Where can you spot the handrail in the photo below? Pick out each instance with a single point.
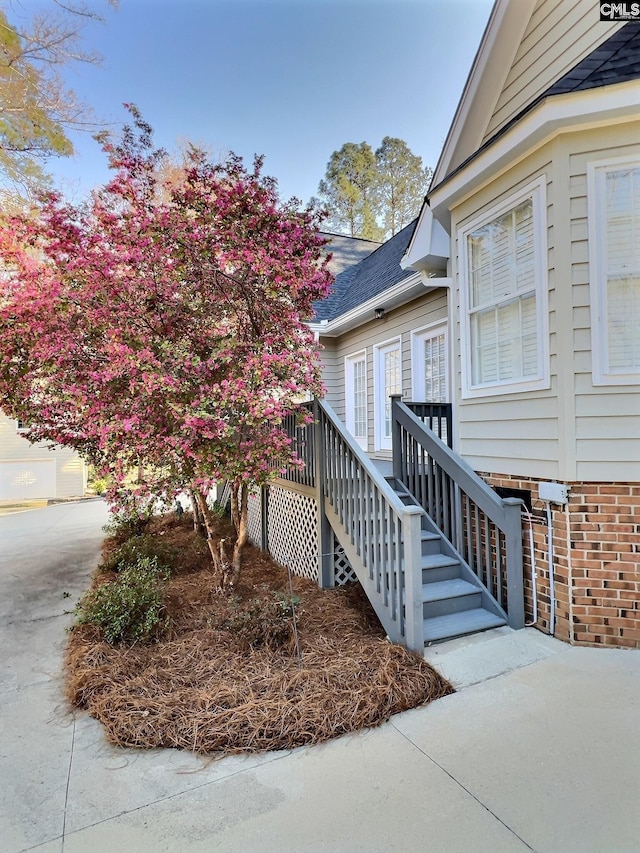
(380, 534)
(461, 471)
(485, 530)
(303, 444)
(361, 456)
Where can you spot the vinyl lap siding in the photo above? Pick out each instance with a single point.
(607, 418)
(511, 433)
(331, 376)
(574, 431)
(558, 36)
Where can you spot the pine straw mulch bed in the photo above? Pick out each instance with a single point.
(204, 687)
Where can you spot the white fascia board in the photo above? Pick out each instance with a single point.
(429, 246)
(401, 293)
(491, 65)
(556, 115)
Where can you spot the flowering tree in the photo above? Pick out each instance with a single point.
(162, 326)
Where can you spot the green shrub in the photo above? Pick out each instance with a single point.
(138, 547)
(131, 608)
(100, 485)
(220, 510)
(129, 521)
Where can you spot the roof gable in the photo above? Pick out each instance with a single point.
(538, 43)
(486, 79)
(346, 253)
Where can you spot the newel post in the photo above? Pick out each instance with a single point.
(324, 538)
(515, 580)
(396, 437)
(413, 610)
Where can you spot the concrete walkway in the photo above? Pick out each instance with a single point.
(540, 751)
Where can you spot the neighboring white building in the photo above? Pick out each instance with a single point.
(32, 471)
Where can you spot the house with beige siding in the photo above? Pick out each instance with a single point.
(510, 312)
(33, 471)
(538, 189)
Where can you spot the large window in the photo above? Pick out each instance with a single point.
(356, 396)
(503, 296)
(614, 255)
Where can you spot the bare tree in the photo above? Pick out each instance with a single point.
(37, 109)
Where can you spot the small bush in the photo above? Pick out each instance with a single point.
(265, 621)
(131, 608)
(129, 521)
(220, 510)
(143, 546)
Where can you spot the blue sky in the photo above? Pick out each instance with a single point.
(290, 79)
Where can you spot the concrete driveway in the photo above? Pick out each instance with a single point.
(541, 751)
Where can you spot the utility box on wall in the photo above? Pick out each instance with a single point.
(555, 493)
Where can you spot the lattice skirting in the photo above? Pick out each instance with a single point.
(292, 534)
(254, 519)
(342, 567)
(292, 538)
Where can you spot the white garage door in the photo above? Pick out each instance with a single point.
(27, 480)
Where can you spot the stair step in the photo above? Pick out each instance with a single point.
(438, 561)
(458, 624)
(444, 597)
(439, 567)
(425, 536)
(453, 588)
(428, 536)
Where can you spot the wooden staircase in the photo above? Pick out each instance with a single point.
(438, 552)
(454, 602)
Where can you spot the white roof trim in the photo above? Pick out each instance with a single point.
(556, 115)
(491, 65)
(401, 293)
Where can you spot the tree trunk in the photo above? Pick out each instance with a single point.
(205, 514)
(198, 523)
(242, 531)
(236, 488)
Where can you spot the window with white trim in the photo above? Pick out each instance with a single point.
(614, 260)
(388, 381)
(429, 365)
(356, 396)
(504, 297)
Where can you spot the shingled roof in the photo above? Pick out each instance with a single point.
(368, 278)
(346, 251)
(614, 61)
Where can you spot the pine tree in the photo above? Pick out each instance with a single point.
(373, 195)
(402, 184)
(349, 189)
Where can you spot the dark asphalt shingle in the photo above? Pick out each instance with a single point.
(346, 253)
(614, 61)
(370, 277)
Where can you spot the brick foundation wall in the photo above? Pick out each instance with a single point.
(596, 562)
